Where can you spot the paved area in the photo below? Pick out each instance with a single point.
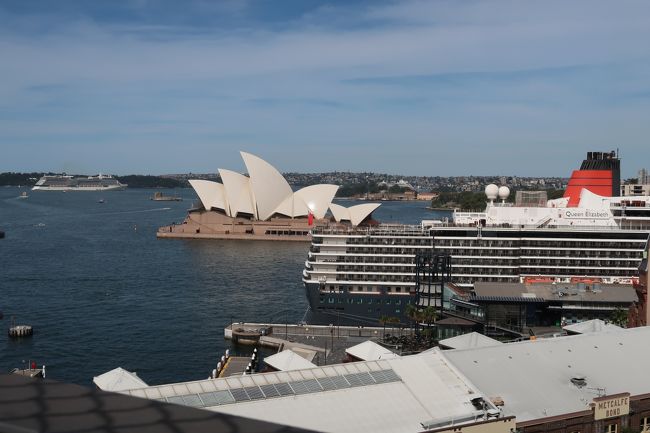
(327, 344)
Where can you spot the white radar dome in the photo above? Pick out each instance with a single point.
(504, 192)
(491, 191)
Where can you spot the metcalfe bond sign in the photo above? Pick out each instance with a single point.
(611, 406)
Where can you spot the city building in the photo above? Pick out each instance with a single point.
(525, 306)
(640, 188)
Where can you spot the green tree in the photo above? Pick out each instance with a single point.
(383, 319)
(619, 317)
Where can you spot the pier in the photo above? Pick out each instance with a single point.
(320, 344)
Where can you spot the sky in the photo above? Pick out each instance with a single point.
(435, 88)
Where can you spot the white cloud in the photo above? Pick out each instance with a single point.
(134, 77)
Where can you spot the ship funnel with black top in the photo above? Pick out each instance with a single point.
(600, 173)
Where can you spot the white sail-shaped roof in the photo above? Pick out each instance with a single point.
(316, 198)
(354, 214)
(270, 189)
(359, 212)
(292, 206)
(340, 213)
(211, 194)
(239, 194)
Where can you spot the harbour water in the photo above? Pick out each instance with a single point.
(101, 291)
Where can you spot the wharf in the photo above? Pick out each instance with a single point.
(320, 344)
(235, 366)
(29, 372)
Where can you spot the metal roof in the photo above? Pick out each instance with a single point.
(564, 292)
(534, 377)
(393, 395)
(39, 405)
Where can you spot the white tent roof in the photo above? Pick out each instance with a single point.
(370, 351)
(288, 360)
(595, 325)
(118, 379)
(466, 341)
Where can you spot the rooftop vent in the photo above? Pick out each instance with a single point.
(579, 381)
(478, 403)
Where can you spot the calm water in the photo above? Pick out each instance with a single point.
(101, 291)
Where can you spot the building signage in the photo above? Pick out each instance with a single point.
(611, 406)
(586, 213)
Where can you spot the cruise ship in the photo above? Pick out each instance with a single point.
(358, 274)
(100, 182)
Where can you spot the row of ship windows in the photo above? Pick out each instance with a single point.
(368, 260)
(369, 289)
(369, 301)
(370, 310)
(586, 263)
(455, 252)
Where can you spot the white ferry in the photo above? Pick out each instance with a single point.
(100, 182)
(360, 274)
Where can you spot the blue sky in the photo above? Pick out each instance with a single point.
(414, 87)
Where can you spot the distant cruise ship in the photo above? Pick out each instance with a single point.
(358, 274)
(100, 182)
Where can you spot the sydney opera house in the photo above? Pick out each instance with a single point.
(261, 205)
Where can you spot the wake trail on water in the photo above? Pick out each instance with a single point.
(160, 209)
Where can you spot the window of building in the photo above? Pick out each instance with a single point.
(611, 428)
(645, 424)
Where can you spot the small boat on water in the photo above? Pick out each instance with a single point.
(23, 195)
(101, 200)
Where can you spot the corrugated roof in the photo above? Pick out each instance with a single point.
(288, 360)
(565, 292)
(534, 377)
(370, 351)
(466, 341)
(118, 379)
